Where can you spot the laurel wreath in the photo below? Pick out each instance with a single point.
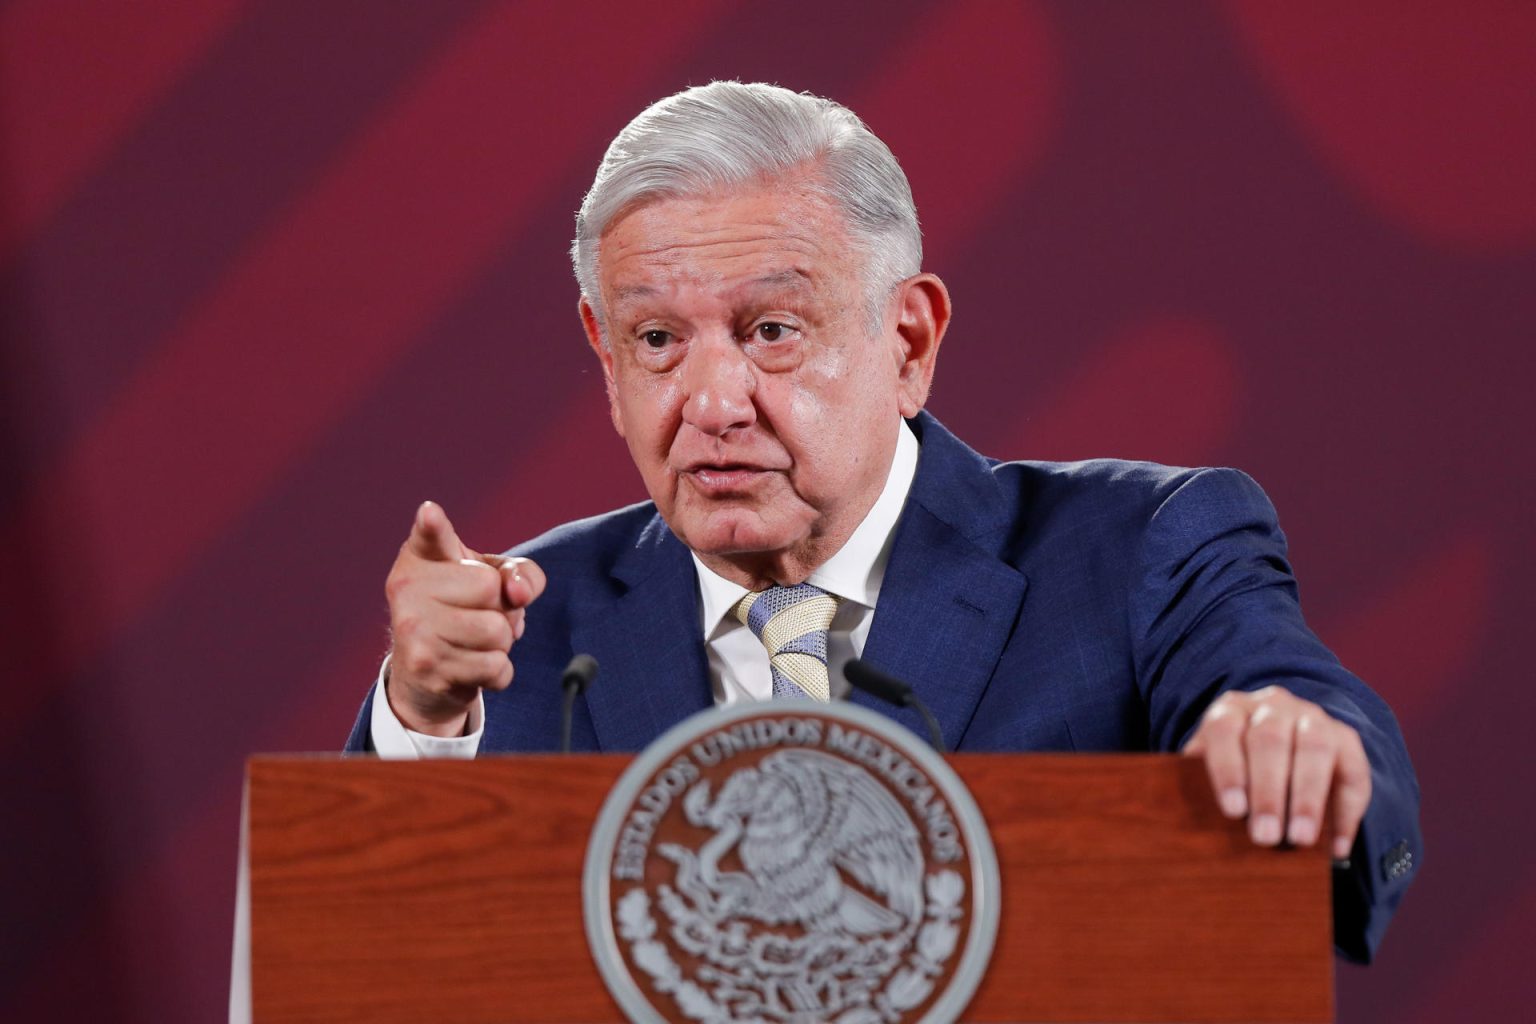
(638, 929)
(908, 987)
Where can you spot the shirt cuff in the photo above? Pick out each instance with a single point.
(393, 741)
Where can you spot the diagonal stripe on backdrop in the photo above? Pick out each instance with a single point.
(1414, 640)
(966, 131)
(295, 335)
(152, 230)
(1167, 389)
(970, 133)
(73, 83)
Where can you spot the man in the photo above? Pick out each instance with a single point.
(750, 268)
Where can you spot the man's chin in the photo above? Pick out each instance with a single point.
(736, 533)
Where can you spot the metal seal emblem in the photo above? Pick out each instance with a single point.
(791, 862)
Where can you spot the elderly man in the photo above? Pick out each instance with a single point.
(751, 283)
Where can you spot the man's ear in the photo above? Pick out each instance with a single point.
(922, 317)
(604, 356)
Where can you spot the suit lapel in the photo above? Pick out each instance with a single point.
(652, 668)
(948, 603)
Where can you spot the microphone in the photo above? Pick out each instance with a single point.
(892, 690)
(574, 680)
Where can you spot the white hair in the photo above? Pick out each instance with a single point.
(714, 138)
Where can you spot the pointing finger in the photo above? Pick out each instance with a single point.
(432, 536)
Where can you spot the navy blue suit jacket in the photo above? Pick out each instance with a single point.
(1092, 606)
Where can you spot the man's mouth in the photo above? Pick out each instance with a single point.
(718, 479)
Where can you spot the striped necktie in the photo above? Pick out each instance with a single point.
(792, 624)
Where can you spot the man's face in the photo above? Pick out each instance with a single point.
(758, 402)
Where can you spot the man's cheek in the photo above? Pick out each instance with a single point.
(813, 421)
(648, 415)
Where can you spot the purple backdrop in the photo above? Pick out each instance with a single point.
(274, 272)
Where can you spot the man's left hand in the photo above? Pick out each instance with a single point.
(1263, 747)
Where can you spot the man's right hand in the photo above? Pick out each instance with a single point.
(455, 614)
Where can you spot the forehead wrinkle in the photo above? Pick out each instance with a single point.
(669, 245)
(673, 252)
(792, 279)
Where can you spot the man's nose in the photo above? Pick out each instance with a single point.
(720, 384)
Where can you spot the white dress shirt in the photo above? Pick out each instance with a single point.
(738, 662)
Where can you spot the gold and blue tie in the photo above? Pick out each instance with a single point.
(792, 624)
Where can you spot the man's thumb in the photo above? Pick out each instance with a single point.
(432, 535)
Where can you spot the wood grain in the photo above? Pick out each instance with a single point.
(451, 890)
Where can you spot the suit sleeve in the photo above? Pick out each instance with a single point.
(1214, 608)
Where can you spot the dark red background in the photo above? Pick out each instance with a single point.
(274, 272)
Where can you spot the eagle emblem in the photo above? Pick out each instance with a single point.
(824, 847)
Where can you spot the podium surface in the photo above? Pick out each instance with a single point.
(404, 891)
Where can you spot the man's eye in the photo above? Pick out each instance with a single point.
(656, 339)
(772, 331)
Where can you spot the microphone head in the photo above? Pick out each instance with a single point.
(579, 673)
(876, 683)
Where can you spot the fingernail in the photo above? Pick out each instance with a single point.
(1341, 847)
(517, 631)
(1265, 829)
(1234, 802)
(1303, 832)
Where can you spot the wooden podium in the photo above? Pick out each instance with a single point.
(451, 891)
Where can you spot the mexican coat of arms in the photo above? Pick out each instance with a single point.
(790, 863)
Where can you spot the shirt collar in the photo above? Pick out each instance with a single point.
(855, 572)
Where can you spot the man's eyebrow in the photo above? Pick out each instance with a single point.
(792, 277)
(634, 291)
